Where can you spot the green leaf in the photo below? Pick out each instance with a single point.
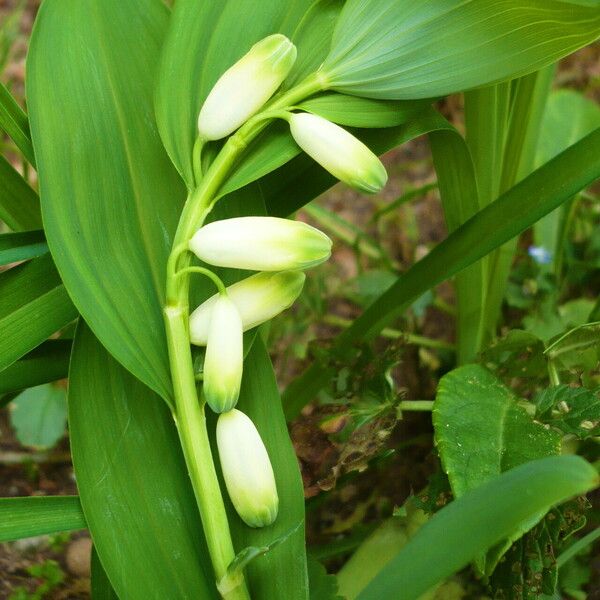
(481, 431)
(39, 515)
(15, 247)
(568, 117)
(48, 362)
(353, 111)
(321, 585)
(572, 410)
(133, 482)
(571, 348)
(200, 46)
(398, 49)
(39, 416)
(281, 573)
(515, 211)
(475, 522)
(19, 204)
(101, 587)
(33, 305)
(13, 121)
(110, 198)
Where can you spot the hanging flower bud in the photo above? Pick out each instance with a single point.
(247, 469)
(223, 363)
(261, 244)
(245, 87)
(258, 299)
(338, 151)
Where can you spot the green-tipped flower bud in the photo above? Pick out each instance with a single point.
(338, 151)
(224, 360)
(258, 299)
(247, 469)
(261, 244)
(245, 87)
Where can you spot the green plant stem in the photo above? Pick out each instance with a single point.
(394, 334)
(189, 412)
(577, 547)
(416, 405)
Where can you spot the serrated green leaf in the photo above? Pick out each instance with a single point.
(473, 523)
(572, 410)
(15, 247)
(322, 586)
(31, 516)
(140, 513)
(481, 431)
(398, 49)
(33, 305)
(110, 198)
(39, 416)
(19, 204)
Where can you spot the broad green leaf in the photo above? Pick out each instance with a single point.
(281, 573)
(321, 585)
(568, 117)
(399, 49)
(515, 211)
(354, 111)
(378, 550)
(48, 362)
(571, 348)
(133, 482)
(458, 186)
(39, 515)
(481, 431)
(39, 415)
(202, 43)
(13, 121)
(19, 204)
(572, 410)
(475, 522)
(110, 198)
(15, 247)
(33, 305)
(101, 587)
(312, 38)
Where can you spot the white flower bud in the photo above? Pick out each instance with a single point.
(261, 244)
(224, 360)
(247, 469)
(245, 87)
(258, 299)
(338, 151)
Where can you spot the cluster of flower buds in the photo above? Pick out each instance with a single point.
(279, 249)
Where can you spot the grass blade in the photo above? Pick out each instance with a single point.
(475, 522)
(31, 516)
(13, 121)
(516, 210)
